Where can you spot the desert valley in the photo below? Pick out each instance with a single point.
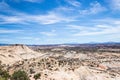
(63, 62)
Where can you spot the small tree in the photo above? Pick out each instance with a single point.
(19, 75)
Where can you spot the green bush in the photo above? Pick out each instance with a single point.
(19, 75)
(1, 78)
(4, 75)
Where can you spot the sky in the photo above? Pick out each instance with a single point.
(59, 21)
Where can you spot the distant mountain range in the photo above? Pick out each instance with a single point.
(90, 43)
(2, 44)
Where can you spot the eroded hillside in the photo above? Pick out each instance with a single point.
(66, 63)
(13, 53)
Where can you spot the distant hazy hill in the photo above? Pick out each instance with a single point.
(2, 44)
(69, 44)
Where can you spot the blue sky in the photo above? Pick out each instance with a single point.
(59, 21)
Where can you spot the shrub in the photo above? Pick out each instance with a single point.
(4, 75)
(37, 76)
(1, 78)
(19, 75)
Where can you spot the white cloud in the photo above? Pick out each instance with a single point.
(110, 21)
(82, 28)
(3, 5)
(21, 18)
(58, 15)
(102, 29)
(33, 0)
(25, 38)
(2, 31)
(28, 38)
(115, 4)
(16, 17)
(63, 9)
(93, 9)
(74, 3)
(4, 40)
(11, 19)
(51, 33)
(6, 8)
(50, 18)
(105, 31)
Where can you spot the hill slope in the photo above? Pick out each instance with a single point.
(13, 53)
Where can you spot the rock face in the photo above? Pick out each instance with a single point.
(13, 53)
